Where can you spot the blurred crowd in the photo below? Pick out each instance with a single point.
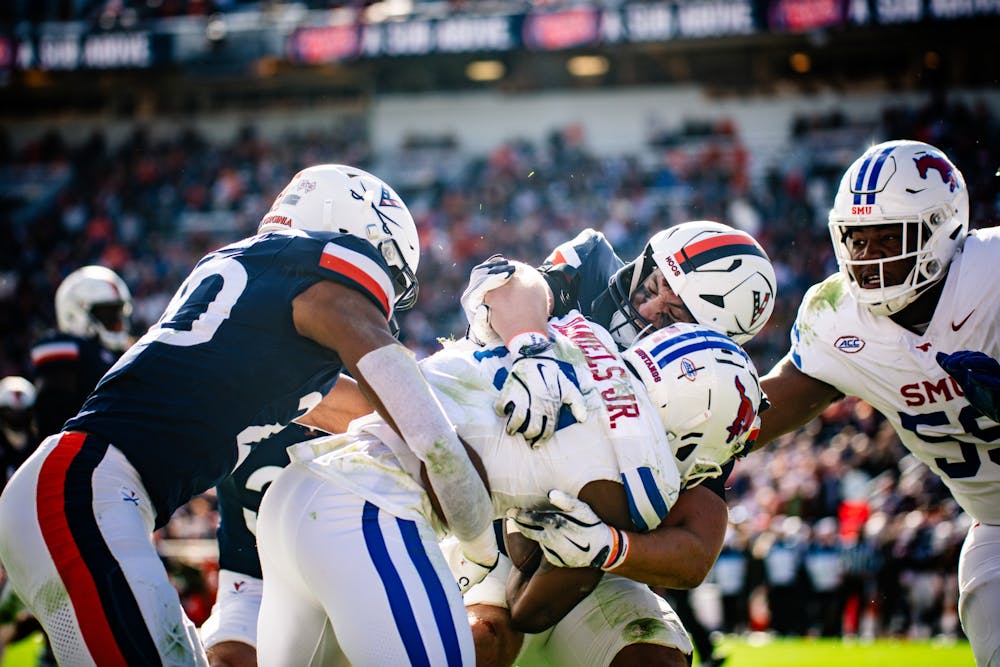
(836, 514)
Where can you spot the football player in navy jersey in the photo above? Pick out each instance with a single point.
(93, 319)
(700, 271)
(93, 307)
(230, 632)
(18, 435)
(254, 337)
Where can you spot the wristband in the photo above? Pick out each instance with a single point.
(619, 549)
(482, 548)
(529, 343)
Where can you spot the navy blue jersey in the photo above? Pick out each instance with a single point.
(240, 495)
(14, 451)
(224, 368)
(65, 369)
(578, 272)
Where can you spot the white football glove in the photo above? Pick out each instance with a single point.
(489, 275)
(572, 535)
(467, 572)
(538, 386)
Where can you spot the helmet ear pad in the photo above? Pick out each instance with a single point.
(909, 184)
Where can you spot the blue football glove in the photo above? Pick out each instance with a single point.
(978, 375)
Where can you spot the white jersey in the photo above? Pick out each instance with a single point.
(622, 439)
(840, 342)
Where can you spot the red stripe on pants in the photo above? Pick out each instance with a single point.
(72, 569)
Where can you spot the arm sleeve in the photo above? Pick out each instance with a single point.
(392, 373)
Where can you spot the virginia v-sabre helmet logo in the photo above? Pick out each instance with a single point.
(722, 275)
(341, 198)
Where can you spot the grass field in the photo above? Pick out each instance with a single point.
(751, 653)
(845, 653)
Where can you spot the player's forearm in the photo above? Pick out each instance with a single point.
(407, 400)
(668, 557)
(540, 600)
(342, 404)
(680, 552)
(522, 304)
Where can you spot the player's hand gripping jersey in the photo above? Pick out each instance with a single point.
(837, 340)
(622, 440)
(151, 404)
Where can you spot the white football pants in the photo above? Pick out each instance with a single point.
(979, 592)
(75, 537)
(382, 581)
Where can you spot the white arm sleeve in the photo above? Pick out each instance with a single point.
(392, 372)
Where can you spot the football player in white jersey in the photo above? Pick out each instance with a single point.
(698, 271)
(910, 325)
(348, 532)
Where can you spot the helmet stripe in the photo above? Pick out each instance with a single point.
(876, 169)
(861, 179)
(682, 350)
(859, 184)
(717, 246)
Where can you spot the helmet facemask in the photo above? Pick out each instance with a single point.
(404, 281)
(630, 284)
(94, 301)
(916, 246)
(111, 322)
(627, 324)
(911, 185)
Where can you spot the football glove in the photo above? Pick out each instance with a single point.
(572, 535)
(539, 384)
(489, 275)
(978, 375)
(465, 570)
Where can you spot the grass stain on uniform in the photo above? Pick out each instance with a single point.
(641, 629)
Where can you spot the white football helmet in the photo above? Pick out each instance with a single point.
(95, 301)
(339, 198)
(17, 393)
(707, 391)
(906, 183)
(722, 275)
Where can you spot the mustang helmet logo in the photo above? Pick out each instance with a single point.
(745, 415)
(927, 161)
